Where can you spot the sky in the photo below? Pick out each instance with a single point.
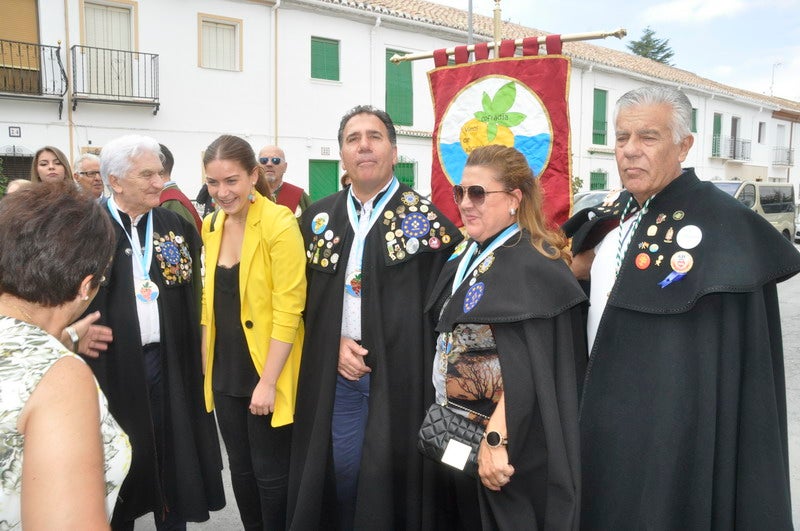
(752, 45)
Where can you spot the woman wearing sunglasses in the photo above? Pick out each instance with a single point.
(510, 338)
(253, 295)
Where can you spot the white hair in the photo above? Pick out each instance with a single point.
(117, 156)
(662, 95)
(86, 156)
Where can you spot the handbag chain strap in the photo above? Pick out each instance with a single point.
(447, 403)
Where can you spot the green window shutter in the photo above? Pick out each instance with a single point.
(694, 120)
(399, 90)
(599, 123)
(404, 171)
(598, 180)
(324, 59)
(716, 141)
(323, 178)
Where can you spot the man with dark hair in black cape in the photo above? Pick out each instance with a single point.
(374, 250)
(683, 414)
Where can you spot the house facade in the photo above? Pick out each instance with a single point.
(77, 73)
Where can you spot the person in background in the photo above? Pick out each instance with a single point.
(203, 198)
(511, 359)
(16, 185)
(254, 294)
(172, 198)
(683, 416)
(63, 455)
(50, 165)
(152, 371)
(373, 251)
(273, 162)
(87, 175)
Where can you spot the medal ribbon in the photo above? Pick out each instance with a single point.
(467, 265)
(146, 258)
(377, 210)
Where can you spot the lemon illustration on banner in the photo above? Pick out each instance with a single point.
(494, 110)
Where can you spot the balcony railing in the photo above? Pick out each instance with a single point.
(102, 75)
(29, 70)
(730, 148)
(782, 156)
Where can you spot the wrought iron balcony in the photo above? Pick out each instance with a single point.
(730, 148)
(782, 156)
(32, 71)
(103, 75)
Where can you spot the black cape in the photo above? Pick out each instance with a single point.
(683, 416)
(400, 343)
(192, 475)
(542, 350)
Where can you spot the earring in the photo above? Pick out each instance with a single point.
(512, 211)
(251, 197)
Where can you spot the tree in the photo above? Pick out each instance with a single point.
(651, 47)
(3, 180)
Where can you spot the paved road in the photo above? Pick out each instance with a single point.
(789, 295)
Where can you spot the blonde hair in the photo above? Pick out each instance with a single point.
(513, 172)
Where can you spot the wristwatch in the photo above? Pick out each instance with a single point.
(494, 439)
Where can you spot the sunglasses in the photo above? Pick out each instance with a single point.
(267, 160)
(476, 193)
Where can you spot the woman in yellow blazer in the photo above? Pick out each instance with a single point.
(253, 296)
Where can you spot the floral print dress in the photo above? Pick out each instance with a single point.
(26, 354)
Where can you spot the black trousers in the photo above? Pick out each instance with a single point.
(258, 458)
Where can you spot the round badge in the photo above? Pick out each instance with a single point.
(388, 214)
(398, 233)
(319, 222)
(308, 254)
(678, 215)
(170, 253)
(335, 240)
(653, 248)
(320, 243)
(409, 198)
(689, 237)
(446, 239)
(486, 264)
(652, 230)
(434, 242)
(334, 258)
(436, 225)
(681, 262)
(401, 254)
(412, 245)
(423, 208)
(473, 296)
(389, 236)
(415, 225)
(324, 262)
(642, 260)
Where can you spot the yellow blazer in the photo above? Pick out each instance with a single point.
(272, 286)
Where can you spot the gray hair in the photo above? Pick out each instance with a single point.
(383, 116)
(86, 156)
(117, 156)
(661, 95)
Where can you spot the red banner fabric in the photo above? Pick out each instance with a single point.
(553, 43)
(461, 55)
(481, 51)
(440, 57)
(507, 48)
(517, 101)
(530, 46)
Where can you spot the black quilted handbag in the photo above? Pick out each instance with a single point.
(441, 426)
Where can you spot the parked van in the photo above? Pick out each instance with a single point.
(772, 201)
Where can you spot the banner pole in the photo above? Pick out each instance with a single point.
(619, 33)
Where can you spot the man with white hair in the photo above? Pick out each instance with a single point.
(151, 371)
(683, 415)
(87, 175)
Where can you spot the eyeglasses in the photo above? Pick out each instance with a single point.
(90, 174)
(476, 193)
(267, 160)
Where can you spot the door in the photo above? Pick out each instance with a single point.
(323, 178)
(107, 67)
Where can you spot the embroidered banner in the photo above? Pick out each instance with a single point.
(519, 102)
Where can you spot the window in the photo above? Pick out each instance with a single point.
(404, 171)
(762, 132)
(599, 123)
(694, 120)
(220, 42)
(399, 90)
(598, 180)
(716, 140)
(20, 69)
(323, 178)
(324, 59)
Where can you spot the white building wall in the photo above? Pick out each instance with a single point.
(273, 99)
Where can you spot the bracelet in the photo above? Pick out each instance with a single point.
(73, 335)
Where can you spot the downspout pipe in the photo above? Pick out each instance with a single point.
(274, 24)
